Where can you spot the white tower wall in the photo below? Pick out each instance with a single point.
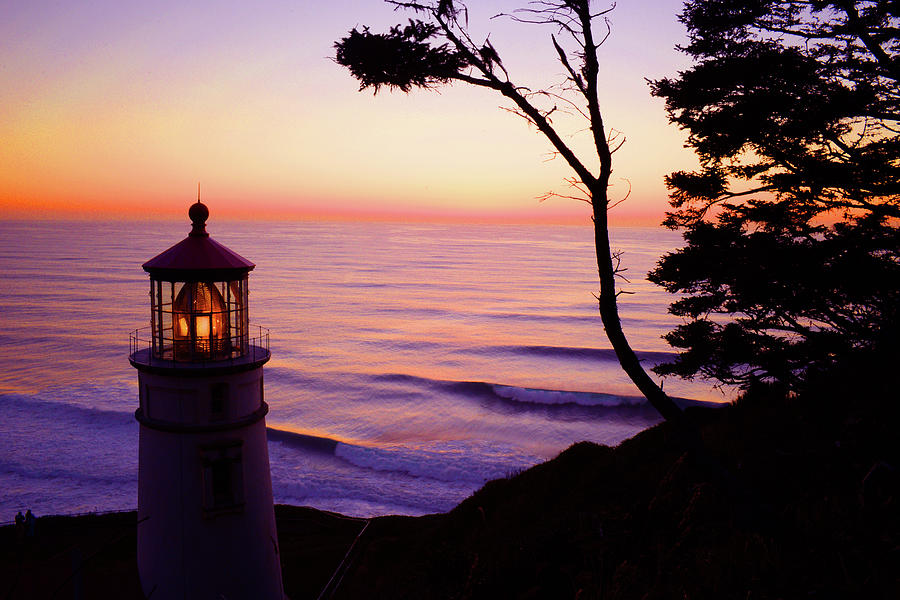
(206, 524)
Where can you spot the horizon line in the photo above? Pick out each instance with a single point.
(228, 212)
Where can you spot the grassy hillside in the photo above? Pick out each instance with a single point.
(811, 510)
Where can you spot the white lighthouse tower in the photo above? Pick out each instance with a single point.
(206, 523)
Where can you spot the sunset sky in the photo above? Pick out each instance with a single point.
(121, 108)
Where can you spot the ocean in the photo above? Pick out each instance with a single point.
(411, 363)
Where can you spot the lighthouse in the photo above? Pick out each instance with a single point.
(206, 522)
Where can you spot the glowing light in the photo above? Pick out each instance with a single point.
(202, 326)
(183, 330)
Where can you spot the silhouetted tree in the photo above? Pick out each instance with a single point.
(792, 261)
(436, 48)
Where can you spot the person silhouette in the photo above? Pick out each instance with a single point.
(29, 524)
(20, 527)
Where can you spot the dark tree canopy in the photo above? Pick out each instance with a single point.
(792, 262)
(403, 58)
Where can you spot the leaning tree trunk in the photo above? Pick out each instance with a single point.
(687, 432)
(609, 312)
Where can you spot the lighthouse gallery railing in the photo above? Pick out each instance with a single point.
(140, 350)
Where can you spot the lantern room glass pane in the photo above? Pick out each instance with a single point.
(199, 320)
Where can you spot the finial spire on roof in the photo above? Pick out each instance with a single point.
(198, 257)
(198, 214)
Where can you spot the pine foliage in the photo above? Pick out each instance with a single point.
(792, 260)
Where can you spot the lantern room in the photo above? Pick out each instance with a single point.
(198, 298)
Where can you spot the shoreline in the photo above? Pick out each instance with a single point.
(642, 519)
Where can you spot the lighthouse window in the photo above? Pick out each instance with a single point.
(223, 482)
(222, 487)
(218, 398)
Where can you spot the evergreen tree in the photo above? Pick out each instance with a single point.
(792, 256)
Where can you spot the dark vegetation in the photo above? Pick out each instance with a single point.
(641, 520)
(792, 257)
(91, 556)
(94, 556)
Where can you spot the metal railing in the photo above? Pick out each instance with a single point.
(141, 351)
